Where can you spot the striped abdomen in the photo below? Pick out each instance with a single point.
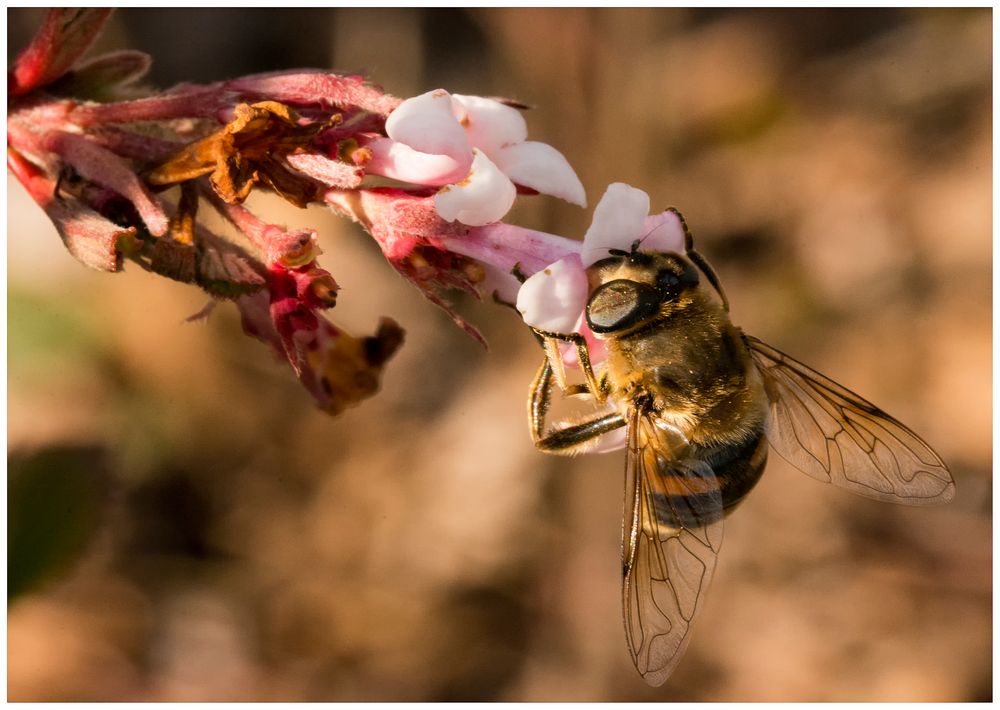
(699, 484)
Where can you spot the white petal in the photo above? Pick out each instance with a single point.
(541, 167)
(484, 196)
(499, 283)
(553, 299)
(663, 232)
(399, 161)
(426, 123)
(489, 124)
(619, 220)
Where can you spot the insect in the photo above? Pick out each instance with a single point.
(700, 402)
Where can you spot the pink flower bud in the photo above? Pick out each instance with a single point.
(108, 170)
(64, 37)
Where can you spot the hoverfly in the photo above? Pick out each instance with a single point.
(700, 402)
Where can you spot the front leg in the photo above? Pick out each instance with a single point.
(567, 440)
(597, 387)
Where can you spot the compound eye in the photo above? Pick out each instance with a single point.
(620, 304)
(670, 283)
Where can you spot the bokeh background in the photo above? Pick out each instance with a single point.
(184, 525)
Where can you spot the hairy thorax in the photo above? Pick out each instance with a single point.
(692, 368)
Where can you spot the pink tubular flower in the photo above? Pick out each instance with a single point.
(435, 255)
(553, 299)
(475, 150)
(63, 38)
(336, 368)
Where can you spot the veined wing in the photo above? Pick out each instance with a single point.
(671, 537)
(834, 435)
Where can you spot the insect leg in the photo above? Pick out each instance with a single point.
(597, 387)
(567, 440)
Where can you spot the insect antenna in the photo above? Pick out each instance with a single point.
(698, 260)
(706, 268)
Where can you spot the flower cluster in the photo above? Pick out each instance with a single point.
(476, 150)
(123, 172)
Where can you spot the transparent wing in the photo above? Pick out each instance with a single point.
(834, 435)
(671, 537)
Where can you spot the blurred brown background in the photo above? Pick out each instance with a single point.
(185, 526)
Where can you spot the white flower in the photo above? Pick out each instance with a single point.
(476, 150)
(554, 298)
(484, 196)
